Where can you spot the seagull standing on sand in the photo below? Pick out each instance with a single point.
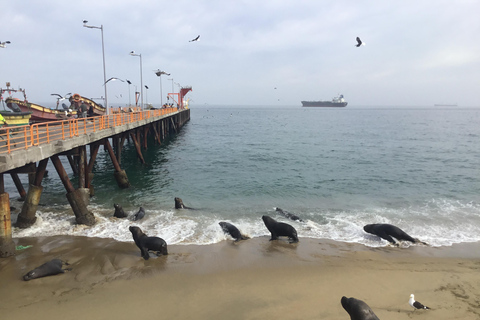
(415, 304)
(359, 43)
(112, 79)
(196, 39)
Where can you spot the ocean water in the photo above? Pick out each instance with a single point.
(337, 169)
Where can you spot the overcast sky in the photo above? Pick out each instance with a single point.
(417, 53)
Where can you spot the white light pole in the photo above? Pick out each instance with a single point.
(141, 77)
(159, 74)
(103, 53)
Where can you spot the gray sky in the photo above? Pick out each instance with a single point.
(417, 53)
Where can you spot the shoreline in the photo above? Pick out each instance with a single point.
(252, 279)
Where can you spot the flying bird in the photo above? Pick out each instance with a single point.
(415, 304)
(113, 79)
(60, 97)
(4, 43)
(196, 39)
(359, 43)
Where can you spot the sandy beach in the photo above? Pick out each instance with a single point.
(253, 279)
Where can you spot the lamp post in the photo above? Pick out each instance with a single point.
(159, 74)
(141, 77)
(146, 95)
(103, 54)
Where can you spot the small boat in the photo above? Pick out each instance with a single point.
(12, 119)
(338, 101)
(42, 114)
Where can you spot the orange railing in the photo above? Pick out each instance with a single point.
(24, 137)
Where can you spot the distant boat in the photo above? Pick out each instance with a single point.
(446, 105)
(337, 102)
(42, 114)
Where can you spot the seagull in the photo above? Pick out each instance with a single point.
(4, 43)
(113, 79)
(415, 304)
(60, 98)
(196, 39)
(359, 43)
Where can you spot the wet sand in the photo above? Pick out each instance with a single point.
(253, 279)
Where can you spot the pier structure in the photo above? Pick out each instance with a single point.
(28, 149)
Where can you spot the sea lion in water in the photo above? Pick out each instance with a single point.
(387, 231)
(288, 215)
(278, 229)
(357, 309)
(140, 214)
(119, 213)
(146, 243)
(49, 268)
(230, 229)
(179, 204)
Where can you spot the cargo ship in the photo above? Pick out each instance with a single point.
(337, 102)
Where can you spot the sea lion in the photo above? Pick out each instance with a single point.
(179, 204)
(278, 229)
(139, 215)
(288, 215)
(387, 231)
(146, 243)
(49, 268)
(357, 309)
(119, 213)
(230, 229)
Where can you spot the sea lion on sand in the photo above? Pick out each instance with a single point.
(357, 309)
(146, 243)
(179, 204)
(278, 229)
(387, 231)
(49, 268)
(140, 214)
(288, 215)
(119, 213)
(230, 229)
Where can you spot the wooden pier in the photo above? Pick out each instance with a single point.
(27, 150)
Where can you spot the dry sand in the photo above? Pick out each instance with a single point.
(253, 279)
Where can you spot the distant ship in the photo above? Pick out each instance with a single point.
(337, 102)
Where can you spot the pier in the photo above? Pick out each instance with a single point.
(27, 150)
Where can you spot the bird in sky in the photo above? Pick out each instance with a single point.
(359, 43)
(112, 79)
(4, 43)
(196, 39)
(415, 304)
(60, 97)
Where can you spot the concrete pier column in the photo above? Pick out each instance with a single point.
(78, 200)
(27, 217)
(120, 175)
(7, 246)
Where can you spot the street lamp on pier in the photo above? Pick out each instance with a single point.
(141, 77)
(103, 54)
(159, 74)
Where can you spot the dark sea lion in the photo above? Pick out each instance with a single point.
(230, 229)
(357, 309)
(119, 213)
(288, 215)
(146, 243)
(179, 204)
(278, 229)
(387, 231)
(49, 268)
(139, 215)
